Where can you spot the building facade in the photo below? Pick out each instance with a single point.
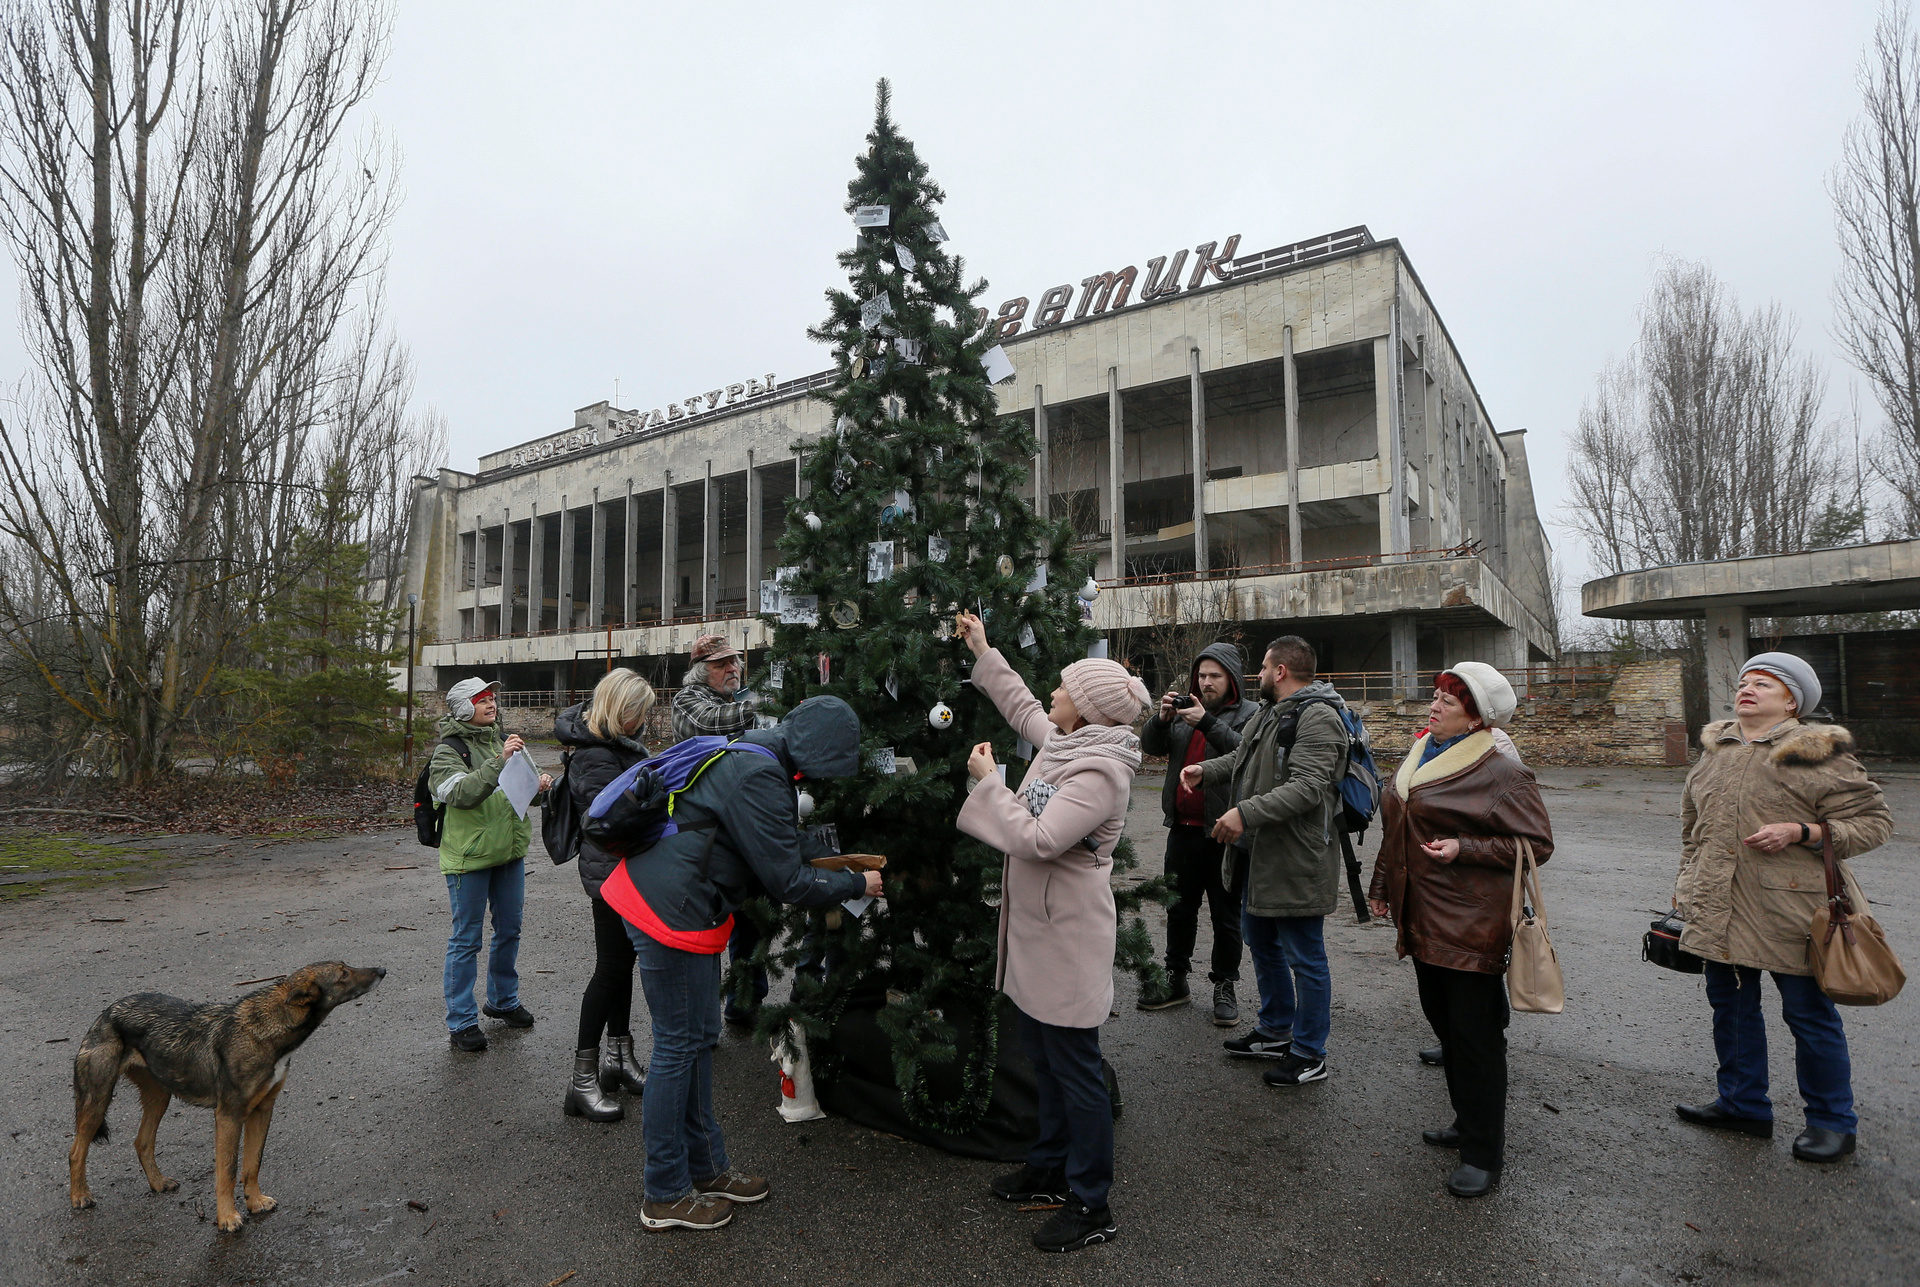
(1287, 441)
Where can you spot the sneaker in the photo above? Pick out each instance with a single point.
(1075, 1225)
(1259, 1045)
(1295, 1070)
(1165, 996)
(733, 1186)
(469, 1038)
(1226, 1006)
(695, 1211)
(1031, 1184)
(518, 1017)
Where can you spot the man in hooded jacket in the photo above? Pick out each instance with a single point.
(1208, 725)
(738, 838)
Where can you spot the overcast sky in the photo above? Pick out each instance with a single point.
(652, 193)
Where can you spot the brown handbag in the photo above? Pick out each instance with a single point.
(1534, 982)
(1851, 960)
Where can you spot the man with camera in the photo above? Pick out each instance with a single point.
(1190, 728)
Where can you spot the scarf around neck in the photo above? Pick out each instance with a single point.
(1112, 741)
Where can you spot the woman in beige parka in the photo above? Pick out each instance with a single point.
(1765, 792)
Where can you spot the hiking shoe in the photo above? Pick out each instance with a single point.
(469, 1038)
(1295, 1070)
(733, 1186)
(1075, 1225)
(1226, 1006)
(518, 1017)
(1165, 996)
(1031, 1184)
(695, 1211)
(1259, 1045)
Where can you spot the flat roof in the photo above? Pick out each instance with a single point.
(1880, 577)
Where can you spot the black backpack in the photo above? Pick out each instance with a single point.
(560, 818)
(429, 815)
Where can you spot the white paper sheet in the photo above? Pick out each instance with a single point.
(858, 905)
(521, 781)
(999, 366)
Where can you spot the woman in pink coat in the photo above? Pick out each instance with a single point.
(1057, 915)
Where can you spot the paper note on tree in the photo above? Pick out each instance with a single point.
(521, 781)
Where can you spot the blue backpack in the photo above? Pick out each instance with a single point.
(635, 810)
(1359, 781)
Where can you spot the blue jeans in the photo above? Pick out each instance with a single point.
(1076, 1109)
(1820, 1046)
(1290, 953)
(470, 892)
(682, 1134)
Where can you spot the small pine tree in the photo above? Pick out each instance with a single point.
(913, 511)
(320, 701)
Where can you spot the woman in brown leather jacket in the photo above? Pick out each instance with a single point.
(1451, 821)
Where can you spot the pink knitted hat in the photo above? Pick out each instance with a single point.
(1103, 692)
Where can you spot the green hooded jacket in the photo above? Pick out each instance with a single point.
(1289, 803)
(481, 829)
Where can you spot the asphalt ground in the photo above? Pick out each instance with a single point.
(1220, 1178)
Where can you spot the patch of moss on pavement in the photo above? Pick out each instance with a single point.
(32, 864)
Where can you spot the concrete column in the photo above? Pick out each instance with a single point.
(709, 547)
(1405, 655)
(1116, 475)
(563, 593)
(536, 569)
(506, 571)
(1393, 510)
(1043, 461)
(630, 560)
(560, 676)
(1726, 650)
(669, 545)
(1294, 553)
(1198, 390)
(597, 565)
(754, 535)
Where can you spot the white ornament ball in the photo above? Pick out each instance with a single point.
(1090, 591)
(941, 716)
(806, 805)
(812, 521)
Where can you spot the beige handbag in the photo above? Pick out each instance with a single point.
(1534, 982)
(1851, 960)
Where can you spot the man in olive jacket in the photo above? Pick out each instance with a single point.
(1283, 777)
(1207, 725)
(483, 850)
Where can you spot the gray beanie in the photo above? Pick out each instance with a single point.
(1792, 671)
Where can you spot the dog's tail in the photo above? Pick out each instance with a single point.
(96, 1069)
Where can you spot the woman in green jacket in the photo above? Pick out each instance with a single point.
(483, 850)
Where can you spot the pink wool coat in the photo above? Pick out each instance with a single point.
(1056, 905)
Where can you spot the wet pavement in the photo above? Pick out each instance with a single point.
(396, 1159)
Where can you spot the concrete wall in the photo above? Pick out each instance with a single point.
(1638, 720)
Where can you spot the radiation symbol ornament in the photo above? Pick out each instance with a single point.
(805, 804)
(941, 716)
(1090, 591)
(812, 521)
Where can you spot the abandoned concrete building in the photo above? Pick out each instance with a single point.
(1288, 440)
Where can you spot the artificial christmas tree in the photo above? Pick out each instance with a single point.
(911, 511)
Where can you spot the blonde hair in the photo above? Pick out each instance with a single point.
(620, 704)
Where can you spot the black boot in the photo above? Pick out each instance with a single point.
(1165, 998)
(1472, 1182)
(1818, 1144)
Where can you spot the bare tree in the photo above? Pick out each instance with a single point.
(176, 186)
(1876, 201)
(1706, 442)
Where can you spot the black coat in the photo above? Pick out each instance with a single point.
(757, 848)
(1221, 728)
(595, 762)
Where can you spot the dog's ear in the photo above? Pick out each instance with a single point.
(302, 990)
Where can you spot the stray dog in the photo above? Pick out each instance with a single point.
(230, 1056)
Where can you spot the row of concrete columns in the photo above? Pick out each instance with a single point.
(598, 590)
(1116, 460)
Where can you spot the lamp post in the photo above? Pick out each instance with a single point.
(412, 606)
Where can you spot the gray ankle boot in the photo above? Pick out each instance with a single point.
(583, 1096)
(619, 1070)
